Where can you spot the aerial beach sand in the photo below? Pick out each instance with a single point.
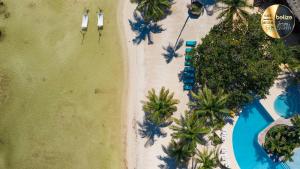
(147, 68)
(64, 106)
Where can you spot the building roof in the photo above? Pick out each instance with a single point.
(295, 5)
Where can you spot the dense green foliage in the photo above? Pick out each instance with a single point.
(244, 61)
(215, 139)
(234, 11)
(281, 140)
(190, 131)
(210, 107)
(208, 112)
(295, 61)
(196, 8)
(159, 108)
(180, 153)
(207, 159)
(154, 10)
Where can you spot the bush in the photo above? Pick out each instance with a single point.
(243, 61)
(196, 8)
(281, 140)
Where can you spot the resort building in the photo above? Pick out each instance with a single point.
(295, 5)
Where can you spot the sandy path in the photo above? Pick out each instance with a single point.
(148, 69)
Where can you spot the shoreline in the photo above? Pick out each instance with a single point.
(125, 92)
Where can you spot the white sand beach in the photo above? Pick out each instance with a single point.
(148, 69)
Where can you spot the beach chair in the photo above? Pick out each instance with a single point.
(188, 58)
(191, 43)
(189, 69)
(188, 50)
(188, 81)
(100, 16)
(187, 87)
(188, 75)
(187, 63)
(85, 21)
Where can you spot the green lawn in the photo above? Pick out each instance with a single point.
(64, 104)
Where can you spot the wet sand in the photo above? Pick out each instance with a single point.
(63, 109)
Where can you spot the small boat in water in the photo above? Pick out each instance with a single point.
(100, 16)
(85, 21)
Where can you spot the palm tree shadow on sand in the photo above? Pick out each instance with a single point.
(143, 29)
(171, 51)
(149, 130)
(168, 162)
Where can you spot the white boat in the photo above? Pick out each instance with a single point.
(100, 16)
(85, 21)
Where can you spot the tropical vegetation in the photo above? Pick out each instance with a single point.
(159, 108)
(294, 63)
(281, 140)
(224, 61)
(154, 10)
(210, 107)
(190, 131)
(232, 68)
(196, 8)
(180, 153)
(234, 11)
(207, 159)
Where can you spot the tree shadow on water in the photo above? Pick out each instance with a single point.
(143, 29)
(149, 130)
(171, 51)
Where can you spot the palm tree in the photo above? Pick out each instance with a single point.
(211, 107)
(296, 126)
(295, 61)
(180, 153)
(159, 108)
(207, 159)
(234, 11)
(189, 130)
(154, 10)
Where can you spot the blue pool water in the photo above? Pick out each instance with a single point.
(249, 154)
(288, 104)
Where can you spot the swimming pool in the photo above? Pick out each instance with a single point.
(288, 104)
(248, 153)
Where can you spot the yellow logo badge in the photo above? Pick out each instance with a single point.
(278, 21)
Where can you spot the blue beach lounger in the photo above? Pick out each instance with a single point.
(188, 57)
(188, 75)
(187, 87)
(189, 69)
(188, 81)
(188, 50)
(187, 63)
(191, 43)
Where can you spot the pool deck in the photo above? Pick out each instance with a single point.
(228, 144)
(277, 89)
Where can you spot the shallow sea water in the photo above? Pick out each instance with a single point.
(63, 109)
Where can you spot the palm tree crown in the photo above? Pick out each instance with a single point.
(234, 11)
(207, 159)
(212, 107)
(160, 107)
(181, 154)
(189, 130)
(154, 10)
